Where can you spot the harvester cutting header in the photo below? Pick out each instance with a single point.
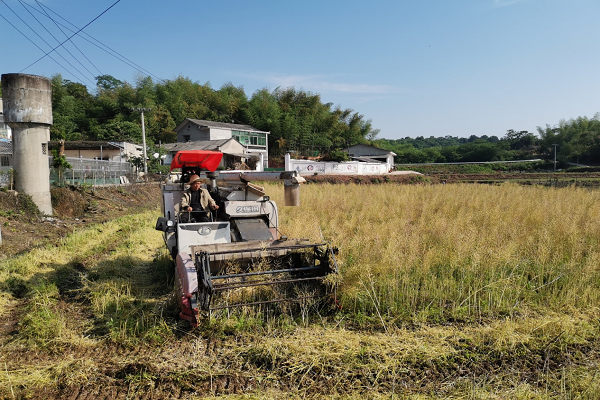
(225, 239)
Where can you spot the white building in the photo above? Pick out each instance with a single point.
(5, 132)
(255, 142)
(99, 150)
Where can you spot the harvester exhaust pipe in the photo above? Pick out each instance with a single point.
(213, 180)
(291, 193)
(291, 187)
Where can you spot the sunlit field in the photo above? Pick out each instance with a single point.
(430, 253)
(460, 291)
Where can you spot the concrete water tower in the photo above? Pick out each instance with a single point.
(28, 111)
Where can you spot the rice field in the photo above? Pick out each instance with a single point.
(455, 291)
(458, 252)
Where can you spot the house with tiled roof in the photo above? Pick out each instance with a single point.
(254, 142)
(98, 150)
(233, 152)
(366, 153)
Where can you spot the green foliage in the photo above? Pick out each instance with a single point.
(299, 118)
(577, 140)
(514, 146)
(489, 168)
(26, 205)
(337, 156)
(298, 121)
(7, 176)
(154, 162)
(59, 161)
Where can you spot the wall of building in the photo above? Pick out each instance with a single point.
(130, 150)
(219, 134)
(194, 133)
(5, 132)
(232, 147)
(110, 154)
(197, 134)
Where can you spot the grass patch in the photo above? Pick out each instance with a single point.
(42, 323)
(117, 271)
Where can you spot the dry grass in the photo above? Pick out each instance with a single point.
(456, 251)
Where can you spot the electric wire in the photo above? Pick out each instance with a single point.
(64, 33)
(35, 44)
(86, 25)
(101, 45)
(63, 47)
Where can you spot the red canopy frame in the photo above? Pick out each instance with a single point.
(204, 159)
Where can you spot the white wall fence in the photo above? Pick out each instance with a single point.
(308, 167)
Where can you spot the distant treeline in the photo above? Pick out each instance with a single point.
(576, 141)
(297, 121)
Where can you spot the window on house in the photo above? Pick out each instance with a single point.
(4, 161)
(44, 148)
(247, 138)
(186, 138)
(243, 139)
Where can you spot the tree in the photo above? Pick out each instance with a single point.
(107, 82)
(478, 150)
(59, 162)
(519, 140)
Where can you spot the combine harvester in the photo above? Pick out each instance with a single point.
(239, 258)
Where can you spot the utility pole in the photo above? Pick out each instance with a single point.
(554, 156)
(141, 110)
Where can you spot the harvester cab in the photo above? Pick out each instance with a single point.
(238, 258)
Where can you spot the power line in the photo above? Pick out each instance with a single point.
(35, 44)
(99, 44)
(63, 32)
(86, 25)
(67, 50)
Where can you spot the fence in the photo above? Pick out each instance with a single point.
(307, 167)
(93, 172)
(5, 163)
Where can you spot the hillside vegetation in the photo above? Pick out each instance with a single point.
(460, 291)
(297, 122)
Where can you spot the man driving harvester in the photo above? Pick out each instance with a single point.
(196, 202)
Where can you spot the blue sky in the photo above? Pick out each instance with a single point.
(414, 67)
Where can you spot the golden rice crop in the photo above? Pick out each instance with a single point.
(455, 250)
